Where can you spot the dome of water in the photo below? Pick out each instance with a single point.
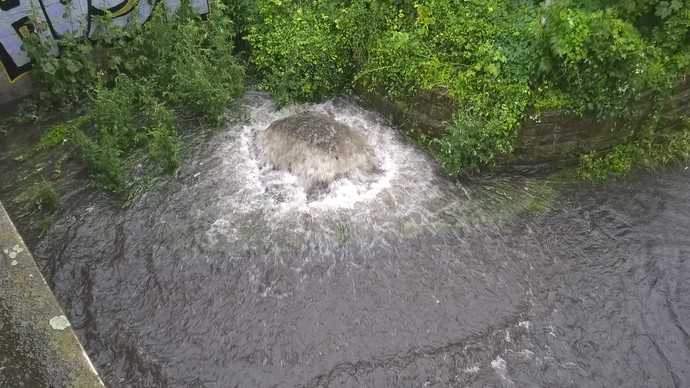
(316, 148)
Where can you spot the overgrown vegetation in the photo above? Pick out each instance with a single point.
(496, 61)
(658, 149)
(134, 85)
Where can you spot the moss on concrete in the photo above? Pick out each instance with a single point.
(53, 352)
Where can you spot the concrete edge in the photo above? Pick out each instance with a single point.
(37, 320)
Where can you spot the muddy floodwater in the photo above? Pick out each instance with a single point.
(230, 274)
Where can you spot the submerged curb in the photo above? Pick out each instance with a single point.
(36, 338)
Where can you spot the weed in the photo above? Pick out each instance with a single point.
(133, 84)
(41, 196)
(660, 148)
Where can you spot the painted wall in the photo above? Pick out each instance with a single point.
(59, 17)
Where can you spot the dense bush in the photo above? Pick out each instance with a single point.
(134, 84)
(497, 60)
(307, 58)
(480, 54)
(598, 58)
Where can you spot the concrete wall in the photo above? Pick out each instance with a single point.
(37, 345)
(53, 19)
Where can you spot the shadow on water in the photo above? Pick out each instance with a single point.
(231, 275)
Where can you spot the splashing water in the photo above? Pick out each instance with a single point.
(317, 149)
(398, 162)
(231, 274)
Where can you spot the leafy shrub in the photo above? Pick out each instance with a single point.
(599, 58)
(480, 54)
(62, 79)
(306, 51)
(122, 119)
(495, 59)
(139, 81)
(298, 51)
(188, 62)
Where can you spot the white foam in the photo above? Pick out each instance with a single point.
(345, 192)
(500, 366)
(248, 187)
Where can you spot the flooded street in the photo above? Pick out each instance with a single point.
(232, 275)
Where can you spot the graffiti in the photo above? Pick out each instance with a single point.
(64, 17)
(14, 27)
(7, 5)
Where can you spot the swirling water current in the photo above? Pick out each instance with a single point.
(230, 275)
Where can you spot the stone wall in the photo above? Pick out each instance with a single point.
(555, 136)
(544, 138)
(427, 114)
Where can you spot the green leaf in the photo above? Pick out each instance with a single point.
(49, 67)
(72, 66)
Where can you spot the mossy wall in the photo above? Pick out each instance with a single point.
(547, 137)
